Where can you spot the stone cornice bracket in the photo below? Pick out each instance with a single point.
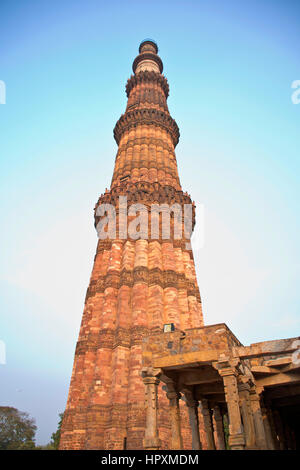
(189, 398)
(245, 382)
(151, 375)
(259, 389)
(247, 371)
(227, 366)
(172, 391)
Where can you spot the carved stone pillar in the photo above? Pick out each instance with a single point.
(279, 429)
(260, 434)
(246, 411)
(227, 370)
(192, 406)
(287, 434)
(226, 429)
(268, 431)
(151, 381)
(219, 428)
(269, 413)
(173, 396)
(273, 427)
(208, 426)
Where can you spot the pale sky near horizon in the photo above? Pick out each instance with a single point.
(230, 67)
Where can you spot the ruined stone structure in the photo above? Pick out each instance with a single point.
(134, 385)
(136, 286)
(251, 392)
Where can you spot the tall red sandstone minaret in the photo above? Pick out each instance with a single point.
(136, 286)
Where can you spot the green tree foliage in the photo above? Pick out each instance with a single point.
(55, 437)
(45, 447)
(17, 429)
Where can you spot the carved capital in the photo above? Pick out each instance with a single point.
(259, 390)
(217, 414)
(172, 392)
(151, 375)
(173, 395)
(189, 398)
(205, 407)
(243, 386)
(227, 366)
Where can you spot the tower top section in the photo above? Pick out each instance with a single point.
(147, 113)
(148, 45)
(147, 58)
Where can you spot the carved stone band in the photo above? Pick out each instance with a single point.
(149, 116)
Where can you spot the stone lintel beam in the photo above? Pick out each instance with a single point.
(200, 377)
(267, 348)
(263, 370)
(180, 360)
(209, 389)
(279, 379)
(212, 397)
(291, 367)
(280, 361)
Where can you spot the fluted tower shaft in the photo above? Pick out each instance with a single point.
(138, 283)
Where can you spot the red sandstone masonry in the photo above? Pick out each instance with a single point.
(135, 287)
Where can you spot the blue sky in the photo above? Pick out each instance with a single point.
(230, 66)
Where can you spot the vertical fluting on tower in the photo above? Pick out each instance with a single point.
(137, 285)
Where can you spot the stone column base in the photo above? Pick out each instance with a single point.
(151, 443)
(237, 442)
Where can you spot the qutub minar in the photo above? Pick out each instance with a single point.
(147, 373)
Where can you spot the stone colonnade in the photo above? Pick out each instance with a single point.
(249, 424)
